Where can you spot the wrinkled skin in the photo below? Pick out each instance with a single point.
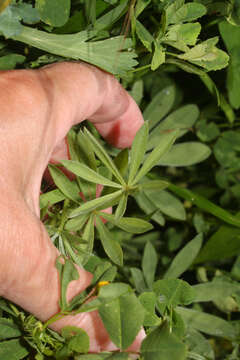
(38, 107)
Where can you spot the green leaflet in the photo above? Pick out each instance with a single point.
(77, 339)
(148, 301)
(166, 141)
(9, 62)
(129, 224)
(104, 157)
(149, 263)
(100, 53)
(123, 318)
(122, 206)
(161, 344)
(68, 188)
(88, 174)
(137, 152)
(186, 154)
(51, 198)
(184, 259)
(97, 204)
(160, 105)
(111, 246)
(206, 323)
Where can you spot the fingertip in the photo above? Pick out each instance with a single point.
(121, 132)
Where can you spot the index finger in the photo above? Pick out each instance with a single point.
(90, 93)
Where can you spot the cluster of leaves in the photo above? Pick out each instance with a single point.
(167, 258)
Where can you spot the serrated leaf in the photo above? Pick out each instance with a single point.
(161, 344)
(104, 157)
(207, 55)
(68, 188)
(181, 35)
(159, 56)
(166, 141)
(101, 53)
(111, 246)
(173, 292)
(187, 13)
(138, 151)
(122, 318)
(186, 154)
(88, 174)
(97, 204)
(129, 224)
(149, 263)
(184, 258)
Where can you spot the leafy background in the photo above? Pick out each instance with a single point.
(168, 258)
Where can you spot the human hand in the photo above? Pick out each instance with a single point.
(38, 108)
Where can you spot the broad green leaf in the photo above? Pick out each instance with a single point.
(186, 154)
(110, 245)
(223, 244)
(182, 119)
(137, 91)
(161, 344)
(188, 12)
(54, 12)
(97, 204)
(149, 263)
(123, 318)
(67, 273)
(9, 62)
(27, 12)
(68, 188)
(167, 203)
(8, 329)
(144, 35)
(166, 141)
(173, 292)
(207, 55)
(148, 301)
(149, 208)
(205, 205)
(51, 198)
(102, 53)
(207, 323)
(88, 174)
(76, 223)
(207, 131)
(160, 105)
(137, 152)
(122, 206)
(10, 22)
(104, 157)
(129, 224)
(77, 339)
(184, 258)
(171, 10)
(138, 280)
(13, 349)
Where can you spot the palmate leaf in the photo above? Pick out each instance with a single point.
(88, 174)
(104, 54)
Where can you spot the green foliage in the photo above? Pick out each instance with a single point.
(167, 257)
